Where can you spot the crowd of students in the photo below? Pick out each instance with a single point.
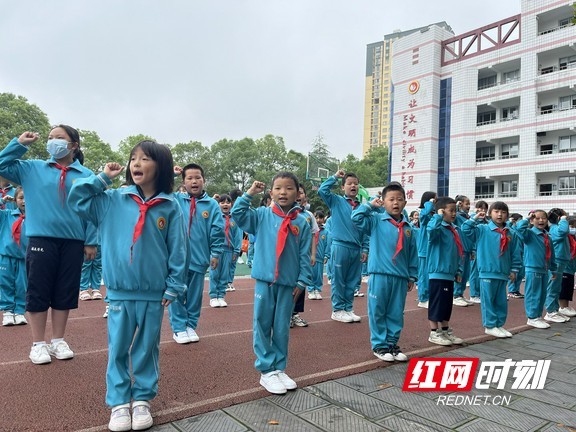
(153, 246)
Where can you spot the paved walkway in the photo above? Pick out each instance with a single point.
(374, 401)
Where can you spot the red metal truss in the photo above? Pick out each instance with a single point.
(479, 41)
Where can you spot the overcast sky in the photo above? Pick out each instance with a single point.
(206, 70)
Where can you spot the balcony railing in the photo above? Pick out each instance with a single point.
(548, 109)
(508, 194)
(483, 196)
(552, 30)
(494, 84)
(558, 192)
(482, 123)
(485, 158)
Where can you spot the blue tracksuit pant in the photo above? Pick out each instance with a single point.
(460, 287)
(423, 279)
(494, 304)
(535, 294)
(345, 275)
(91, 276)
(514, 287)
(317, 275)
(219, 278)
(185, 312)
(13, 285)
(273, 305)
(232, 270)
(553, 289)
(474, 280)
(133, 337)
(386, 300)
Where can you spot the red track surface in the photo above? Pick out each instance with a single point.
(213, 373)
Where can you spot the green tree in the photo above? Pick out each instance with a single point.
(192, 152)
(97, 153)
(272, 158)
(234, 163)
(127, 144)
(17, 115)
(372, 170)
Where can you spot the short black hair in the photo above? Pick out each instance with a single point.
(288, 175)
(461, 198)
(265, 198)
(224, 198)
(426, 196)
(393, 186)
(498, 205)
(349, 175)
(516, 216)
(234, 194)
(319, 213)
(443, 202)
(162, 155)
(192, 166)
(481, 204)
(555, 214)
(301, 186)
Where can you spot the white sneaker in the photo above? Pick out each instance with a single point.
(506, 332)
(355, 318)
(538, 323)
(438, 338)
(311, 295)
(230, 287)
(494, 331)
(60, 350)
(214, 303)
(192, 335)
(272, 383)
(566, 317)
(468, 301)
(319, 296)
(181, 337)
(397, 354)
(554, 317)
(454, 339)
(358, 293)
(8, 319)
(120, 419)
(567, 311)
(459, 301)
(141, 417)
(288, 382)
(341, 316)
(222, 302)
(475, 300)
(383, 354)
(20, 319)
(39, 354)
(423, 304)
(105, 315)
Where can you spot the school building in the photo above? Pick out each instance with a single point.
(491, 113)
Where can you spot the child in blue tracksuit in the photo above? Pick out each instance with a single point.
(393, 268)
(328, 255)
(13, 243)
(250, 254)
(567, 291)
(91, 277)
(232, 244)
(444, 260)
(514, 286)
(538, 260)
(558, 230)
(315, 289)
(349, 246)
(426, 212)
(498, 254)
(480, 206)
(205, 232)
(145, 262)
(7, 190)
(282, 270)
(462, 209)
(58, 239)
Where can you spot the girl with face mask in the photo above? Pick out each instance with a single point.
(57, 235)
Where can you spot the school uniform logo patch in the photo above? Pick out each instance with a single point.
(205, 214)
(323, 237)
(232, 224)
(295, 229)
(161, 223)
(408, 233)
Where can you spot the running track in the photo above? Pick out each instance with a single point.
(213, 373)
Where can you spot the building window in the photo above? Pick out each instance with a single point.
(546, 149)
(508, 151)
(485, 153)
(565, 22)
(484, 189)
(486, 82)
(508, 188)
(511, 76)
(567, 185)
(547, 189)
(567, 62)
(567, 102)
(509, 113)
(567, 143)
(486, 118)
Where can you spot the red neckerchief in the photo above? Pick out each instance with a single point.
(400, 241)
(456, 239)
(285, 228)
(144, 206)
(227, 228)
(192, 212)
(62, 183)
(572, 242)
(17, 228)
(503, 239)
(547, 246)
(353, 203)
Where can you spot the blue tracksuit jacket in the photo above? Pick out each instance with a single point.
(443, 259)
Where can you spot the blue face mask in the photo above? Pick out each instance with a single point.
(573, 231)
(58, 148)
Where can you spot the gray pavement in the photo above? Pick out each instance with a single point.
(374, 401)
